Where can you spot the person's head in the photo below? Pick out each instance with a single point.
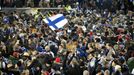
(47, 48)
(0, 56)
(26, 55)
(106, 64)
(108, 46)
(25, 72)
(117, 73)
(34, 53)
(16, 54)
(74, 61)
(61, 46)
(106, 72)
(10, 65)
(57, 60)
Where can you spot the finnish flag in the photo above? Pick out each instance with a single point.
(55, 22)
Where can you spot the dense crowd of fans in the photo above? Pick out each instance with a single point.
(94, 42)
(101, 4)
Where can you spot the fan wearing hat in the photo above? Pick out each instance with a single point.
(56, 68)
(26, 58)
(14, 57)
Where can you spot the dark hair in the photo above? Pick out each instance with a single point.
(117, 73)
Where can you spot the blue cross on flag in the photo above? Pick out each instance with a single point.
(55, 22)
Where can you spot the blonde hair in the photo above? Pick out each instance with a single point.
(106, 72)
(47, 48)
(25, 72)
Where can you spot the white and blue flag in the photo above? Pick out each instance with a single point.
(57, 21)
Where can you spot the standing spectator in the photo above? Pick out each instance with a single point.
(44, 3)
(30, 3)
(36, 3)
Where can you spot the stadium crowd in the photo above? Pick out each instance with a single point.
(93, 42)
(102, 4)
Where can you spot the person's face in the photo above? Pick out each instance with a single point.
(60, 47)
(0, 57)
